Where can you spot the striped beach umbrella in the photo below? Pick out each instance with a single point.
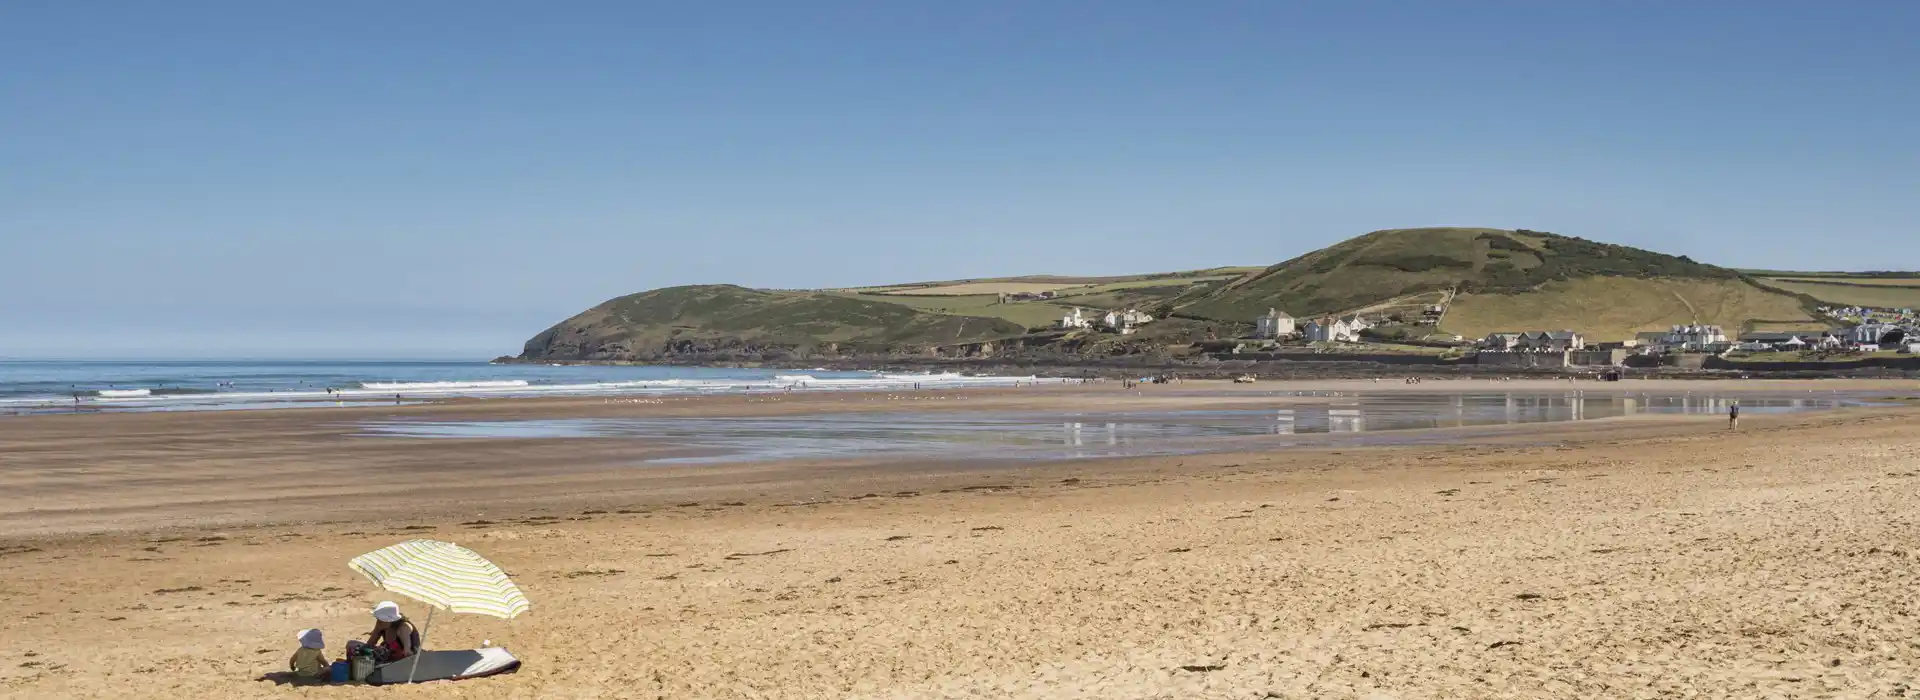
(444, 575)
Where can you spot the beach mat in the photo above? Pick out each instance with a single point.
(447, 666)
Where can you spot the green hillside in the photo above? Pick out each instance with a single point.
(1485, 279)
(706, 319)
(1030, 314)
(1386, 265)
(1617, 308)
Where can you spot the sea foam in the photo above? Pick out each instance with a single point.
(439, 386)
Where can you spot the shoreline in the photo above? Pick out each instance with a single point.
(137, 471)
(1302, 366)
(830, 399)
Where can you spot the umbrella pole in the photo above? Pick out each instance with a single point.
(415, 668)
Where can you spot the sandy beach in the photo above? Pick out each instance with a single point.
(176, 555)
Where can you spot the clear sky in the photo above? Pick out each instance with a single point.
(448, 178)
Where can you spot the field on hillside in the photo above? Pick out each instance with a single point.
(1865, 281)
(1854, 291)
(1028, 314)
(1141, 292)
(979, 288)
(1789, 326)
(1069, 284)
(1616, 308)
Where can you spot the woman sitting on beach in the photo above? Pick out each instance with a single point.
(393, 637)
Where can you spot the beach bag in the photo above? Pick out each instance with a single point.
(360, 666)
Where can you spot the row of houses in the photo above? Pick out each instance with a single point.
(1699, 338)
(1278, 324)
(1684, 338)
(1122, 322)
(1866, 336)
(1690, 337)
(1335, 330)
(1534, 341)
(1868, 314)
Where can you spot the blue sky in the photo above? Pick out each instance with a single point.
(448, 178)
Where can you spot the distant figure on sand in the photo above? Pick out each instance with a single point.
(1733, 416)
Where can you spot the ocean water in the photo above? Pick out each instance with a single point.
(32, 386)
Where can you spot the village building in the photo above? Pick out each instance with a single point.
(1650, 341)
(1772, 341)
(1534, 341)
(1695, 338)
(1876, 334)
(1124, 322)
(1275, 324)
(1762, 341)
(1500, 342)
(1076, 320)
(1332, 330)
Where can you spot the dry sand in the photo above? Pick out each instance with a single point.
(158, 556)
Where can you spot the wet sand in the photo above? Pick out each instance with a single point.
(1623, 558)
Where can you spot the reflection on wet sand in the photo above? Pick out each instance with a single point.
(1030, 435)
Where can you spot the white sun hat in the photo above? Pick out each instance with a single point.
(387, 611)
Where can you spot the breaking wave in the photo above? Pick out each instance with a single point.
(439, 386)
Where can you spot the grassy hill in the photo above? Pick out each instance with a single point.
(1026, 314)
(1488, 280)
(1615, 308)
(1406, 263)
(707, 319)
(1064, 284)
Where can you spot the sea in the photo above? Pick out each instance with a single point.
(39, 386)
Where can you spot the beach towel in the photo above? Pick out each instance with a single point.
(447, 666)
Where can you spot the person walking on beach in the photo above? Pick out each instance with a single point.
(1733, 416)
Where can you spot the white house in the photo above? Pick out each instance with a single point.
(1273, 325)
(1124, 322)
(1694, 337)
(1076, 320)
(1331, 330)
(1500, 342)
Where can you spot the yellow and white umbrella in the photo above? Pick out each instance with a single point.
(445, 576)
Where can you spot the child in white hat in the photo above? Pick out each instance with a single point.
(310, 661)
